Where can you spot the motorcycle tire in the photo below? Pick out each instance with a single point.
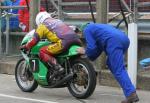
(88, 84)
(22, 81)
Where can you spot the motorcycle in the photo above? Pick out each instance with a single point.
(79, 75)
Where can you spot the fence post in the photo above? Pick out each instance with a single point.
(54, 4)
(132, 52)
(7, 33)
(60, 11)
(0, 32)
(133, 48)
(34, 9)
(101, 17)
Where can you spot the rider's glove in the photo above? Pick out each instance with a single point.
(23, 48)
(22, 26)
(81, 50)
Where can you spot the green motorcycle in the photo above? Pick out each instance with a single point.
(79, 76)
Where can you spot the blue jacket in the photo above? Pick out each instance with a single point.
(14, 21)
(6, 3)
(3, 21)
(97, 37)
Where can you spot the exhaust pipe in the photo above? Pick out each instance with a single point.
(65, 79)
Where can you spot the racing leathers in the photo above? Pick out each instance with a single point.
(58, 33)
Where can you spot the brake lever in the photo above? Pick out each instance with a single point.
(27, 52)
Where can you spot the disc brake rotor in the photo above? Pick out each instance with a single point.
(81, 78)
(26, 75)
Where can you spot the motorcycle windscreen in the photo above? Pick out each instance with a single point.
(27, 37)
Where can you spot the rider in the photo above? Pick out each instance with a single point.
(57, 32)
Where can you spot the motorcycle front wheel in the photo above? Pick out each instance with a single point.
(83, 84)
(24, 77)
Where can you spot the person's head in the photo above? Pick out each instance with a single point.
(41, 17)
(82, 27)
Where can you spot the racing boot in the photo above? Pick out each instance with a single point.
(52, 62)
(132, 98)
(57, 70)
(57, 67)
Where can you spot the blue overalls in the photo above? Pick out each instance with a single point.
(104, 37)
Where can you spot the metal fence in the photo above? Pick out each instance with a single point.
(5, 35)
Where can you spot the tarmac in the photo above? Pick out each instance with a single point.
(11, 93)
(104, 78)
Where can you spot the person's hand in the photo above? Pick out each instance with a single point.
(22, 26)
(81, 50)
(23, 48)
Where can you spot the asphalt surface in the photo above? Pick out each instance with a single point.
(10, 93)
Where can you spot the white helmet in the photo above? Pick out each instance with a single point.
(41, 16)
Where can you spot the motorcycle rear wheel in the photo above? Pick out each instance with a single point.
(83, 85)
(24, 77)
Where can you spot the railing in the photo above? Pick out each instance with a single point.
(7, 33)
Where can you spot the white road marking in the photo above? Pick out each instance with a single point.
(28, 99)
(114, 95)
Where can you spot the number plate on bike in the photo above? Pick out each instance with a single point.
(34, 64)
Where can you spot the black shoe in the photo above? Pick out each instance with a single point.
(132, 98)
(58, 70)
